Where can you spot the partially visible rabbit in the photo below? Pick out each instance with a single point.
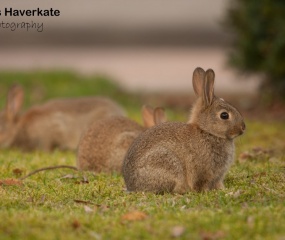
(57, 123)
(180, 157)
(104, 145)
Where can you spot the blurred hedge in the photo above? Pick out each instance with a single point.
(259, 45)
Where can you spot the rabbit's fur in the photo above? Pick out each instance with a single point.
(104, 145)
(180, 157)
(57, 123)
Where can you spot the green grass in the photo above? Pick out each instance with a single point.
(61, 204)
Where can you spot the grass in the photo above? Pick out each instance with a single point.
(65, 204)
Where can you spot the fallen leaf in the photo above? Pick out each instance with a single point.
(183, 207)
(82, 182)
(88, 209)
(235, 194)
(69, 176)
(95, 235)
(177, 231)
(134, 216)
(260, 151)
(17, 171)
(245, 156)
(10, 182)
(250, 221)
(85, 179)
(75, 224)
(256, 153)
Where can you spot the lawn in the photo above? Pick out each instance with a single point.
(66, 204)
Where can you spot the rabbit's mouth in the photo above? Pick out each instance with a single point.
(236, 131)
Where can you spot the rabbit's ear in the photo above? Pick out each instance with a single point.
(15, 100)
(147, 116)
(198, 80)
(159, 116)
(208, 94)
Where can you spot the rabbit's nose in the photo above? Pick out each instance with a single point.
(243, 127)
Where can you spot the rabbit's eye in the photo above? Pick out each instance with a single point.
(224, 115)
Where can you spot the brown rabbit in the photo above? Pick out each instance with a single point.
(58, 123)
(180, 157)
(104, 145)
